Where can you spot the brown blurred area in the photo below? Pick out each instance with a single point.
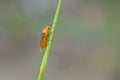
(86, 44)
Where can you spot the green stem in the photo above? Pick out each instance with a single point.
(47, 52)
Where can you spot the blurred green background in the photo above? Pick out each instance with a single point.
(86, 44)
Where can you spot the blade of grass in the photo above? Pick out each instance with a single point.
(49, 45)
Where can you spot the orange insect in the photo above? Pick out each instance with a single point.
(45, 37)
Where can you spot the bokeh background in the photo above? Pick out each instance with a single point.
(86, 44)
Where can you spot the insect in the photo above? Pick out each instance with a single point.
(45, 37)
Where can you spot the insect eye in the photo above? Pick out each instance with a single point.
(48, 28)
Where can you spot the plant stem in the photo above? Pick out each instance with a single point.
(49, 45)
